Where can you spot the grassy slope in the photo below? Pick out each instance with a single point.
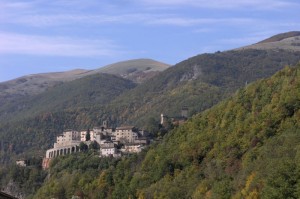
(85, 92)
(14, 92)
(281, 36)
(137, 70)
(129, 66)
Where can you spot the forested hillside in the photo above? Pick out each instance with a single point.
(245, 147)
(33, 125)
(197, 83)
(93, 90)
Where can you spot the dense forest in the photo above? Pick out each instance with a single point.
(244, 147)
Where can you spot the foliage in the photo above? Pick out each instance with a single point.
(88, 135)
(26, 180)
(244, 147)
(81, 174)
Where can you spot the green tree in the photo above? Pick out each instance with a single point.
(94, 145)
(83, 147)
(88, 135)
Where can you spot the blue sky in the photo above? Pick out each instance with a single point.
(39, 36)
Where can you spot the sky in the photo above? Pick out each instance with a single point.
(38, 36)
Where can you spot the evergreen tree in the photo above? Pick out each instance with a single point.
(88, 135)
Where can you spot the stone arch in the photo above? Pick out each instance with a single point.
(65, 151)
(69, 151)
(73, 149)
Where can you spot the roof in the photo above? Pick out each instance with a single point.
(107, 147)
(131, 144)
(125, 128)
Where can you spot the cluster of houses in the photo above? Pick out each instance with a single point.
(113, 142)
(130, 138)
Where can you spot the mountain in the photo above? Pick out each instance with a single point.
(87, 91)
(15, 94)
(281, 36)
(35, 84)
(137, 70)
(247, 146)
(197, 83)
(285, 41)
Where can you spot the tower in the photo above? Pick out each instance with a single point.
(105, 124)
(163, 119)
(184, 112)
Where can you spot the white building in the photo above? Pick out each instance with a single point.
(132, 148)
(83, 135)
(108, 149)
(66, 143)
(67, 138)
(21, 163)
(103, 130)
(126, 134)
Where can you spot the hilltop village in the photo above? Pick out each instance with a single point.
(113, 142)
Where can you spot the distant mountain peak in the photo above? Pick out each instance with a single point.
(281, 36)
(137, 70)
(285, 41)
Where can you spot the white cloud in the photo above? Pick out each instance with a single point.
(179, 21)
(12, 43)
(241, 41)
(137, 18)
(71, 19)
(222, 4)
(33, 14)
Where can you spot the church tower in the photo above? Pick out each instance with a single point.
(184, 112)
(163, 119)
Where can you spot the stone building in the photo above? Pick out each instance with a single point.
(83, 135)
(108, 149)
(21, 163)
(66, 143)
(126, 134)
(175, 120)
(108, 139)
(131, 148)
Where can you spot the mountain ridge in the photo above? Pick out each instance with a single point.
(281, 36)
(34, 84)
(284, 41)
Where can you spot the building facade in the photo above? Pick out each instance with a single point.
(126, 134)
(108, 149)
